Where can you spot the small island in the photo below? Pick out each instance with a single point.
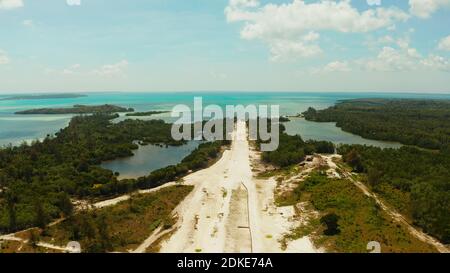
(144, 114)
(77, 109)
(44, 97)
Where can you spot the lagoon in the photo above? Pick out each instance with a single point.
(327, 131)
(149, 158)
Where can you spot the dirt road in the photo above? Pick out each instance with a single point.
(399, 218)
(228, 210)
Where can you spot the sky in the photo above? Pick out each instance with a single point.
(224, 45)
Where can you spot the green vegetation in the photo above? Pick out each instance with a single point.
(349, 220)
(423, 123)
(293, 150)
(331, 222)
(77, 109)
(20, 247)
(33, 177)
(415, 181)
(200, 158)
(143, 114)
(121, 227)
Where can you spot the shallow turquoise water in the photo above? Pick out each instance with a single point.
(18, 128)
(15, 129)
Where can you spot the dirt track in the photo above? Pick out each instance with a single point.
(230, 211)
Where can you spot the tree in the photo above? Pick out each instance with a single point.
(331, 222)
(40, 215)
(374, 177)
(103, 232)
(87, 228)
(65, 204)
(11, 203)
(34, 238)
(353, 158)
(131, 204)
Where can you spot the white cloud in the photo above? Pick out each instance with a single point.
(394, 59)
(28, 23)
(436, 63)
(4, 59)
(374, 2)
(402, 57)
(287, 50)
(111, 70)
(73, 2)
(71, 69)
(424, 8)
(336, 66)
(11, 4)
(392, 27)
(107, 70)
(216, 75)
(244, 3)
(298, 16)
(283, 27)
(444, 44)
(387, 39)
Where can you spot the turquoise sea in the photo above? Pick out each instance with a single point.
(15, 129)
(18, 128)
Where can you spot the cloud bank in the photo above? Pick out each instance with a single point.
(285, 27)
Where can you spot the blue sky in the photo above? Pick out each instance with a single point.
(208, 45)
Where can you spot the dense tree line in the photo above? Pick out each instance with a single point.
(415, 181)
(143, 114)
(38, 180)
(293, 150)
(198, 159)
(77, 109)
(424, 123)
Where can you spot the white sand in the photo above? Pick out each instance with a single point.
(230, 211)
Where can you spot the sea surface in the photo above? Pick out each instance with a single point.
(18, 128)
(15, 129)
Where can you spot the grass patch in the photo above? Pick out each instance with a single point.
(155, 247)
(360, 220)
(224, 193)
(293, 197)
(121, 227)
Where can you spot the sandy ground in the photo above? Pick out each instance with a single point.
(230, 211)
(112, 202)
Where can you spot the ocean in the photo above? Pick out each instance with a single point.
(16, 129)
